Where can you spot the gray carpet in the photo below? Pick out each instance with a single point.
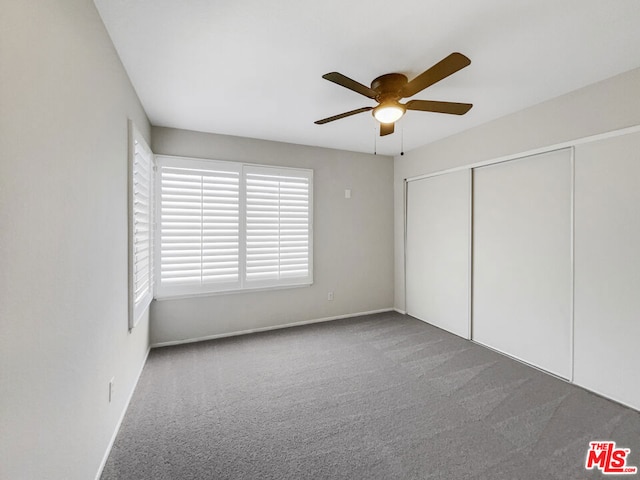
(377, 397)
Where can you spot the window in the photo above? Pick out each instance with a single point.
(140, 225)
(225, 226)
(277, 225)
(199, 226)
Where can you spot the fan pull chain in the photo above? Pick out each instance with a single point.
(402, 139)
(375, 138)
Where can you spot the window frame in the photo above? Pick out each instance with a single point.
(138, 308)
(242, 286)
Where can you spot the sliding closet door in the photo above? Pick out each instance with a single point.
(522, 277)
(607, 285)
(437, 251)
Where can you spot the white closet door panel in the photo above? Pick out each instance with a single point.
(607, 268)
(522, 259)
(437, 251)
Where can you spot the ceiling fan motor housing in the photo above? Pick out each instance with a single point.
(389, 86)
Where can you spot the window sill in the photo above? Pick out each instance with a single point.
(162, 298)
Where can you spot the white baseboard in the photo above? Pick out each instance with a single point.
(265, 329)
(401, 312)
(124, 412)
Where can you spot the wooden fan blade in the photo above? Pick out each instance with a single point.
(346, 82)
(439, 107)
(386, 128)
(445, 67)
(342, 115)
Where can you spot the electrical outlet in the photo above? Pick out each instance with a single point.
(111, 388)
(330, 296)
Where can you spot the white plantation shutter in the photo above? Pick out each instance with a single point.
(141, 226)
(278, 226)
(198, 210)
(225, 226)
(142, 173)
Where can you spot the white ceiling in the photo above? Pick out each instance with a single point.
(254, 68)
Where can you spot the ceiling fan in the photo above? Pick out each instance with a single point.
(388, 89)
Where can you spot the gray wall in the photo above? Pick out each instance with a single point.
(353, 240)
(64, 104)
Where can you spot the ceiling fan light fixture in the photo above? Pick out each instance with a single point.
(388, 112)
